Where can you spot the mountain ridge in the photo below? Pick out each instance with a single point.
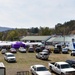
(5, 28)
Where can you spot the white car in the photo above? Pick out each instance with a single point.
(42, 55)
(64, 50)
(22, 50)
(31, 49)
(9, 57)
(39, 70)
(73, 53)
(13, 50)
(3, 51)
(45, 50)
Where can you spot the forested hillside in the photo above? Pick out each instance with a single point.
(66, 28)
(60, 29)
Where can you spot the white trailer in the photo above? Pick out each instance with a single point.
(2, 69)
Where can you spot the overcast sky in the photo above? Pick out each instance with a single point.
(35, 13)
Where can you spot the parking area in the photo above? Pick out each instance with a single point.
(25, 60)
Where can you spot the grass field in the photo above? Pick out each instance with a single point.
(25, 60)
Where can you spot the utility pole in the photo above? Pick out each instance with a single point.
(64, 36)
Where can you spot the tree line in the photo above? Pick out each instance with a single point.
(60, 29)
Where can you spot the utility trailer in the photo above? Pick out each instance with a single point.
(2, 69)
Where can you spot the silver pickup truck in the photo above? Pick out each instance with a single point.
(61, 68)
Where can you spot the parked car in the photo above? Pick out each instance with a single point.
(42, 55)
(46, 50)
(31, 49)
(64, 50)
(59, 46)
(3, 51)
(71, 62)
(13, 50)
(39, 70)
(42, 47)
(73, 53)
(10, 57)
(38, 49)
(57, 50)
(22, 50)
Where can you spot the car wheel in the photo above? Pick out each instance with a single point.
(32, 73)
(71, 54)
(36, 57)
(4, 59)
(47, 59)
(50, 69)
(53, 51)
(62, 74)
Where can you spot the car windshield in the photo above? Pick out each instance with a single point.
(64, 49)
(3, 49)
(13, 50)
(21, 48)
(73, 62)
(31, 48)
(56, 49)
(10, 55)
(45, 50)
(41, 69)
(45, 54)
(65, 66)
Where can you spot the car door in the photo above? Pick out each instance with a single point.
(5, 57)
(34, 70)
(38, 55)
(41, 55)
(58, 69)
(55, 67)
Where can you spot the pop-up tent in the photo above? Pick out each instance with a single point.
(18, 45)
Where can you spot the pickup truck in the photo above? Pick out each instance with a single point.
(61, 68)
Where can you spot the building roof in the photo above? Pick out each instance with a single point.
(41, 38)
(61, 39)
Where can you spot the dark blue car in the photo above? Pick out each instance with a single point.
(71, 62)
